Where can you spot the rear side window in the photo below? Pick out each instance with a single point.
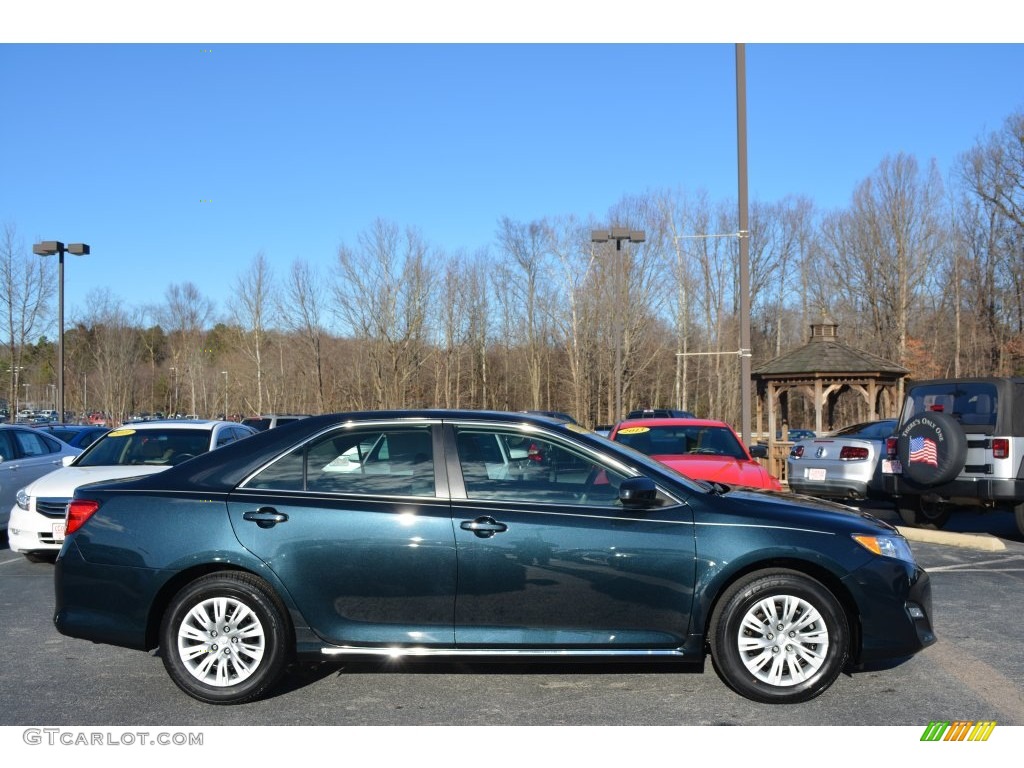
(379, 461)
(970, 403)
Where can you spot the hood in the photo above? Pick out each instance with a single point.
(61, 483)
(722, 469)
(807, 508)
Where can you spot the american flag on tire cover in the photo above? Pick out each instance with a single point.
(922, 451)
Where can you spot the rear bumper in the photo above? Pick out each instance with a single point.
(982, 490)
(836, 489)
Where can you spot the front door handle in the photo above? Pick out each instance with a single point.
(265, 517)
(484, 527)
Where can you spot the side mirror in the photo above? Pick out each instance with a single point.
(638, 492)
(759, 451)
(66, 461)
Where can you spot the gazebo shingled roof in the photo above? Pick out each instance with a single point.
(822, 369)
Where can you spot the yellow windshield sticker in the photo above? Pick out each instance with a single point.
(121, 433)
(633, 430)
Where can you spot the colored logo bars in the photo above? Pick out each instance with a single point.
(958, 730)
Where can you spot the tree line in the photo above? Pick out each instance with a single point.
(923, 270)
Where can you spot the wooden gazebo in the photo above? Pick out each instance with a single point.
(822, 370)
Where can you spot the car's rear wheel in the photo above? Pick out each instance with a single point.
(779, 636)
(1018, 513)
(224, 639)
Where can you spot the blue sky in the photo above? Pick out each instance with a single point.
(179, 161)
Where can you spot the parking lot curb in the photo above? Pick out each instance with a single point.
(982, 541)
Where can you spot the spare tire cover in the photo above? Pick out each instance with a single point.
(931, 448)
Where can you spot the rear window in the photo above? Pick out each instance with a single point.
(970, 403)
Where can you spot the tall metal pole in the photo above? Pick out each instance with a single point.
(741, 153)
(60, 335)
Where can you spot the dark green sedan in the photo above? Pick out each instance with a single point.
(470, 534)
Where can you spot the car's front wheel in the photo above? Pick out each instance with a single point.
(779, 636)
(224, 638)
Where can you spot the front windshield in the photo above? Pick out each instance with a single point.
(681, 440)
(127, 447)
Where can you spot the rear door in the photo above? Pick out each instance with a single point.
(365, 549)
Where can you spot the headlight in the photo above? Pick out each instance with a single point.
(23, 499)
(886, 546)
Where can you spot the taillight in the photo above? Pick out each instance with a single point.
(890, 446)
(797, 451)
(1000, 448)
(851, 453)
(79, 511)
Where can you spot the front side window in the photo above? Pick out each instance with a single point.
(516, 466)
(376, 461)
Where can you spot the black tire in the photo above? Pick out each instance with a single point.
(948, 441)
(907, 508)
(923, 512)
(1018, 513)
(42, 557)
(226, 663)
(816, 629)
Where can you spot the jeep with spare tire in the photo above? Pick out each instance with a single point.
(960, 442)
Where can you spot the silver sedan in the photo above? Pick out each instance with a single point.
(845, 464)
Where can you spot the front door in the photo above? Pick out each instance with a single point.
(548, 557)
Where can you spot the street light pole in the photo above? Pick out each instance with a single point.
(741, 157)
(51, 248)
(619, 235)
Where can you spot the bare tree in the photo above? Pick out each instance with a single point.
(26, 288)
(382, 295)
(883, 247)
(251, 307)
(302, 309)
(186, 315)
(117, 352)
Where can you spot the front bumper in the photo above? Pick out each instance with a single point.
(895, 606)
(29, 532)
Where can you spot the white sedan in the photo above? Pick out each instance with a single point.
(36, 524)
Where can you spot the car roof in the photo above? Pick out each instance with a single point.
(175, 424)
(230, 464)
(671, 422)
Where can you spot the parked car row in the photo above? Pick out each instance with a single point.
(47, 470)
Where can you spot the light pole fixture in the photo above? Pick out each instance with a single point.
(620, 235)
(57, 248)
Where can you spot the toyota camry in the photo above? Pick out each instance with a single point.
(468, 534)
